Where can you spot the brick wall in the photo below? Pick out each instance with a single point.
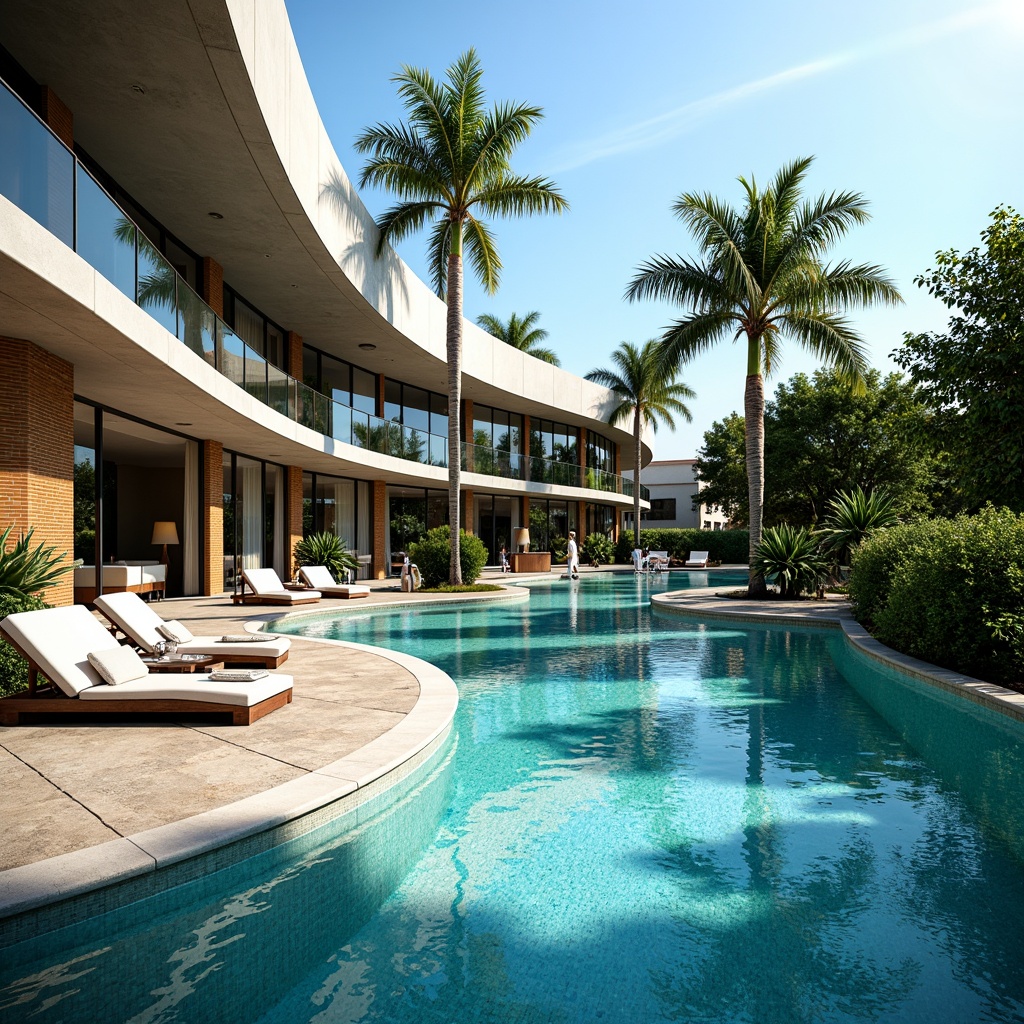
(57, 115)
(293, 344)
(212, 285)
(37, 451)
(293, 513)
(380, 528)
(213, 517)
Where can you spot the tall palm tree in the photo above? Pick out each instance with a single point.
(521, 333)
(761, 276)
(448, 164)
(646, 389)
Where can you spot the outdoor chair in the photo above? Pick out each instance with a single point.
(319, 577)
(697, 560)
(658, 560)
(57, 642)
(267, 588)
(141, 624)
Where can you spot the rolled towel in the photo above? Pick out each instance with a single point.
(239, 675)
(247, 638)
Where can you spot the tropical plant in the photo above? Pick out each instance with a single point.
(852, 517)
(761, 276)
(598, 549)
(432, 555)
(25, 570)
(521, 333)
(326, 549)
(790, 557)
(646, 389)
(450, 163)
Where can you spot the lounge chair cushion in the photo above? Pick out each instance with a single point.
(198, 687)
(264, 581)
(172, 629)
(58, 641)
(118, 665)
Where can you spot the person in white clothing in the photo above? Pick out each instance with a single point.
(573, 557)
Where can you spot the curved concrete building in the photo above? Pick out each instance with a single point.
(195, 331)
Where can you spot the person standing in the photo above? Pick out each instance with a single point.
(573, 557)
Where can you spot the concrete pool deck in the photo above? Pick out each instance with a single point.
(85, 805)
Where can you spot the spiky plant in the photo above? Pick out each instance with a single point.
(450, 165)
(25, 570)
(852, 517)
(326, 549)
(762, 277)
(790, 557)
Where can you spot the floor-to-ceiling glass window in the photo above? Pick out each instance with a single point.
(412, 511)
(495, 519)
(550, 523)
(343, 507)
(601, 519)
(254, 517)
(554, 453)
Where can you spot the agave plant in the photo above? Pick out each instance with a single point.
(853, 516)
(325, 549)
(25, 570)
(790, 557)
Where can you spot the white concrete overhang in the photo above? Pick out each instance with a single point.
(222, 119)
(127, 361)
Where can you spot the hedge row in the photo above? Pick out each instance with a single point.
(948, 591)
(728, 546)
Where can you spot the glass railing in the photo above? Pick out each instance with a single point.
(44, 179)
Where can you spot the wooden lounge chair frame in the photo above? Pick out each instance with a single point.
(49, 700)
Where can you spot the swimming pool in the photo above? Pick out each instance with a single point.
(643, 819)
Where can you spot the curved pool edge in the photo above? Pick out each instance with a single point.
(708, 605)
(93, 880)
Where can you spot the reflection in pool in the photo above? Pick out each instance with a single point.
(648, 819)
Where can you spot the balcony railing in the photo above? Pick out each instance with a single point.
(42, 177)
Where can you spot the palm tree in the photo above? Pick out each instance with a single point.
(447, 164)
(761, 276)
(646, 389)
(521, 333)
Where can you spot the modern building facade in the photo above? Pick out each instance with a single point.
(672, 486)
(194, 328)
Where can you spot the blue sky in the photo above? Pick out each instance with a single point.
(914, 103)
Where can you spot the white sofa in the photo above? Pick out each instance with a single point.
(138, 577)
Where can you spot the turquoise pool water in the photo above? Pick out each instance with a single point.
(643, 819)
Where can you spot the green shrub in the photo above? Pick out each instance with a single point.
(950, 592)
(13, 667)
(433, 553)
(26, 570)
(789, 557)
(853, 517)
(729, 546)
(597, 549)
(326, 549)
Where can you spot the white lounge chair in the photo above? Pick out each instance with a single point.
(56, 643)
(658, 560)
(319, 577)
(697, 560)
(141, 624)
(267, 588)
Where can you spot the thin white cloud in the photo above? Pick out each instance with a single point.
(673, 123)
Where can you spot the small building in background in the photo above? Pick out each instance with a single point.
(673, 486)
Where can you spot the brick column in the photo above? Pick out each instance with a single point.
(292, 512)
(467, 434)
(468, 511)
(524, 516)
(380, 568)
(57, 115)
(581, 521)
(213, 517)
(37, 452)
(293, 354)
(212, 285)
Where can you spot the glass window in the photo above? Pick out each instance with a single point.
(336, 379)
(248, 325)
(275, 344)
(439, 415)
(106, 237)
(364, 391)
(157, 286)
(310, 368)
(393, 400)
(416, 408)
(482, 425)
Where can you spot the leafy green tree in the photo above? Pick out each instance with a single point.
(971, 375)
(721, 468)
(449, 164)
(821, 438)
(762, 276)
(646, 390)
(521, 333)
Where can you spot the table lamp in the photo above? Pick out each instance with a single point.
(165, 533)
(522, 538)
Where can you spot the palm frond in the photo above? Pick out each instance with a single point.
(833, 340)
(679, 280)
(479, 249)
(511, 195)
(403, 219)
(438, 248)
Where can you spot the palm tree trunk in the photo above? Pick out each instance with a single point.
(636, 477)
(454, 340)
(753, 411)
